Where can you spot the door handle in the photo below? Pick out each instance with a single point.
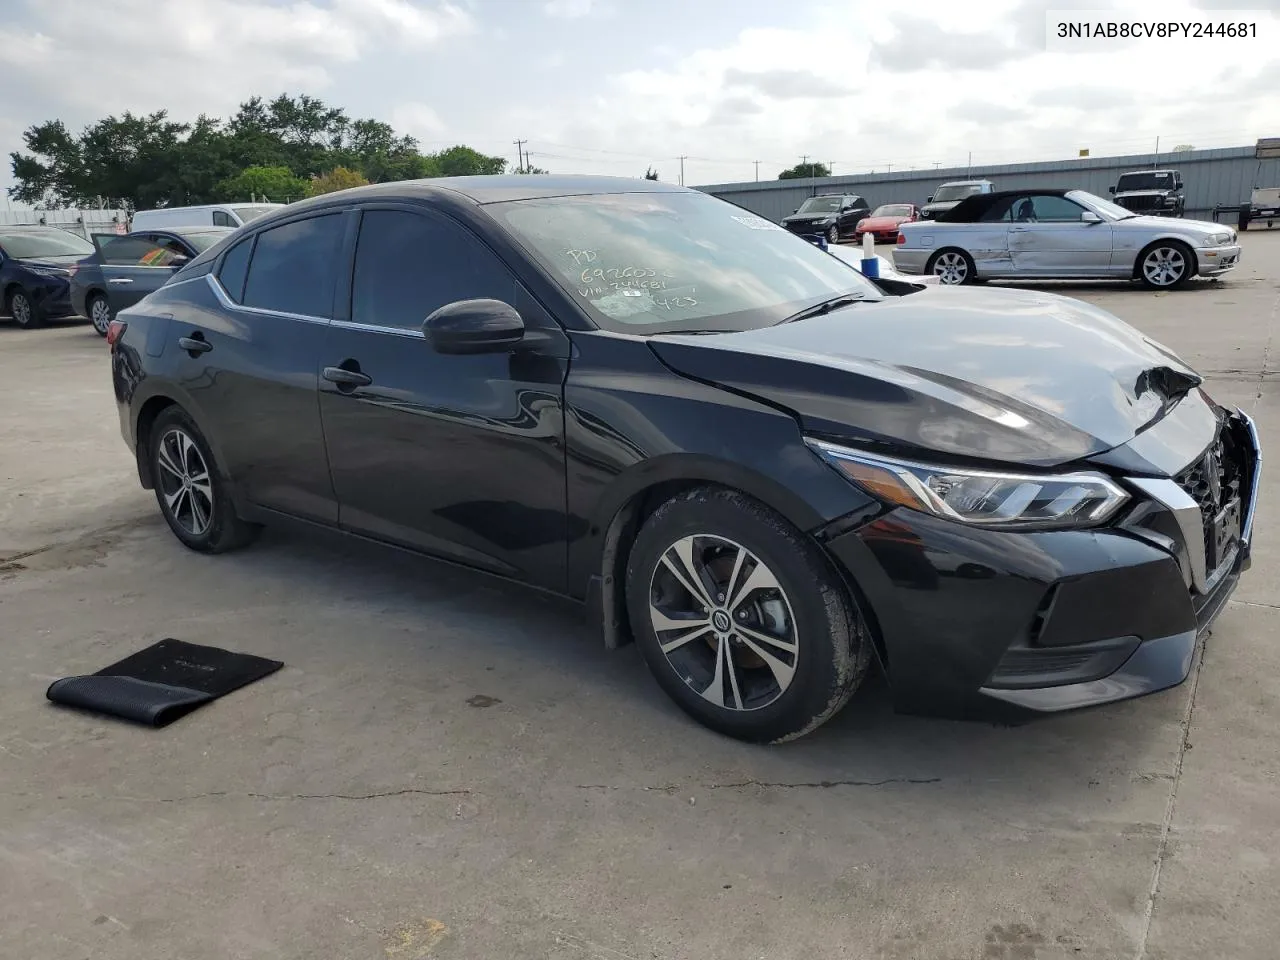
(347, 378)
(194, 345)
(120, 280)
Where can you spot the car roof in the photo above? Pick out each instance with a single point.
(505, 187)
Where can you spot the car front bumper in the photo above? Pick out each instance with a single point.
(52, 297)
(976, 623)
(1215, 260)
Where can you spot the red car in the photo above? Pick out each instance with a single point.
(884, 219)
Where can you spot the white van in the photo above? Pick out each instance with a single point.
(209, 215)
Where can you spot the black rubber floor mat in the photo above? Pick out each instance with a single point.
(166, 681)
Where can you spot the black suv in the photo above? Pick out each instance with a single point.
(831, 215)
(1154, 192)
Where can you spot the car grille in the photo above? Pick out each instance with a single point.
(1213, 482)
(1140, 203)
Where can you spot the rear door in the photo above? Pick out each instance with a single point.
(134, 265)
(1047, 238)
(249, 359)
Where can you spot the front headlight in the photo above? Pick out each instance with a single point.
(1217, 239)
(50, 271)
(980, 497)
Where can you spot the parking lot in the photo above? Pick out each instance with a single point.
(450, 767)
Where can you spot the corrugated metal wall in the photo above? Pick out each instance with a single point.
(1211, 178)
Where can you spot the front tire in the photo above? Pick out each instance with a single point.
(193, 498)
(1165, 264)
(833, 234)
(23, 309)
(741, 618)
(952, 267)
(99, 311)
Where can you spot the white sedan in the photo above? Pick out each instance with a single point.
(1060, 234)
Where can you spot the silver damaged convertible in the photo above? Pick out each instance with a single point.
(1060, 234)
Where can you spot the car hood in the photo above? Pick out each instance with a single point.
(880, 223)
(1003, 375)
(1143, 193)
(1180, 225)
(807, 217)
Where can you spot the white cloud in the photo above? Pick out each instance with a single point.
(568, 9)
(418, 120)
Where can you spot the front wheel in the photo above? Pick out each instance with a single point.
(952, 267)
(23, 310)
(99, 312)
(1165, 264)
(833, 235)
(741, 618)
(191, 494)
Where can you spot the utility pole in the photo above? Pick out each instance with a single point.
(682, 160)
(1156, 161)
(520, 154)
(757, 163)
(970, 166)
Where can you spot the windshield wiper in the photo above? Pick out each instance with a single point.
(825, 307)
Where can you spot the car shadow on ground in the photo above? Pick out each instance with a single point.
(548, 655)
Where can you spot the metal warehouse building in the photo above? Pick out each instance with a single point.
(1212, 178)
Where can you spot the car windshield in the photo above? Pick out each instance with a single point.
(1104, 208)
(44, 243)
(675, 262)
(956, 191)
(1162, 180)
(251, 213)
(893, 210)
(820, 205)
(203, 241)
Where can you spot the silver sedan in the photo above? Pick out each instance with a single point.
(1061, 234)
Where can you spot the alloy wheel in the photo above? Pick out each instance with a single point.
(185, 482)
(951, 268)
(833, 235)
(100, 315)
(1164, 266)
(21, 308)
(724, 622)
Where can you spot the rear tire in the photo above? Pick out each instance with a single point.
(192, 496)
(952, 267)
(100, 315)
(771, 645)
(23, 309)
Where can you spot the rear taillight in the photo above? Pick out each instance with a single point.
(902, 238)
(115, 330)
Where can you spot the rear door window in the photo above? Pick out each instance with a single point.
(223, 219)
(235, 266)
(294, 265)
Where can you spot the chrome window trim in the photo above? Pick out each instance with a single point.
(408, 332)
(1246, 528)
(223, 298)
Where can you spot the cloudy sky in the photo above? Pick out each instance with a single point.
(614, 86)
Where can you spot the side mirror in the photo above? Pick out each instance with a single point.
(928, 199)
(179, 262)
(474, 326)
(1090, 217)
(1111, 189)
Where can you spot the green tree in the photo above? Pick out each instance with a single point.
(339, 178)
(803, 171)
(276, 184)
(529, 168)
(464, 162)
(651, 174)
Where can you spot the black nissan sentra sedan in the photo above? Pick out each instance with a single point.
(736, 451)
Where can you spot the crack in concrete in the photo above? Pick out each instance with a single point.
(1166, 825)
(1257, 603)
(738, 785)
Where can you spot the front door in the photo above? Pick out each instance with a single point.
(1047, 238)
(460, 456)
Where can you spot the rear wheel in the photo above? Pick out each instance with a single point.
(952, 267)
(99, 312)
(23, 309)
(1165, 264)
(741, 618)
(192, 497)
